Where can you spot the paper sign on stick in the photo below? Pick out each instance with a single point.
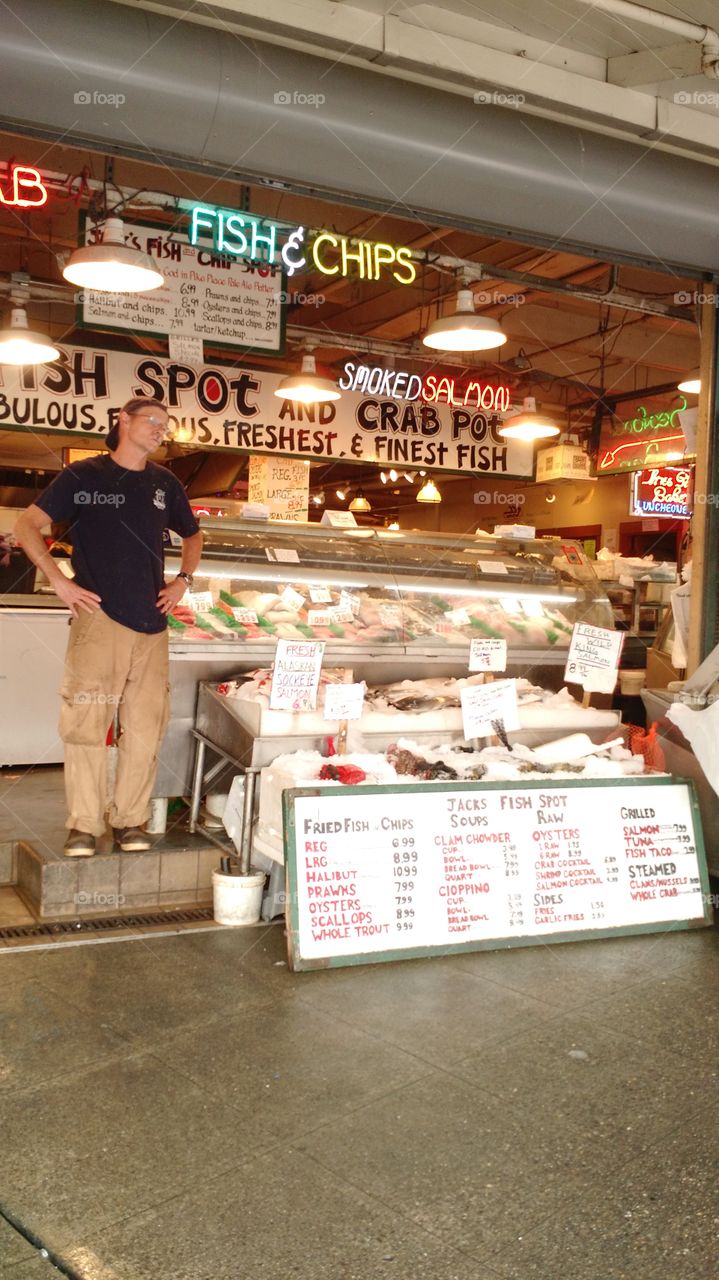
(483, 703)
(344, 701)
(488, 655)
(296, 675)
(593, 657)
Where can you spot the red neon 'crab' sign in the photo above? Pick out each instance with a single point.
(24, 188)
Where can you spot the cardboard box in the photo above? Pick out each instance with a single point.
(563, 462)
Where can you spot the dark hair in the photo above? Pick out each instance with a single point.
(131, 406)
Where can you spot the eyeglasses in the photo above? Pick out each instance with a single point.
(153, 420)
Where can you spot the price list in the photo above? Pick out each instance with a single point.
(377, 871)
(217, 298)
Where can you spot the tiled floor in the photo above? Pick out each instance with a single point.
(185, 1108)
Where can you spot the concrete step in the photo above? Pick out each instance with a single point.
(176, 871)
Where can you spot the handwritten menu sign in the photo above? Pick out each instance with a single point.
(488, 655)
(593, 657)
(375, 873)
(484, 703)
(225, 301)
(296, 675)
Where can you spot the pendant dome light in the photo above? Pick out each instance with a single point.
(429, 492)
(464, 330)
(360, 503)
(691, 383)
(307, 386)
(528, 425)
(112, 266)
(22, 345)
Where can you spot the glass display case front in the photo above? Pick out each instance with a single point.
(379, 589)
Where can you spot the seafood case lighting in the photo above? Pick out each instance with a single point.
(357, 589)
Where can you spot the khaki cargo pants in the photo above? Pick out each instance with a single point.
(110, 668)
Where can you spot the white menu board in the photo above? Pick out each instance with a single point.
(221, 300)
(377, 872)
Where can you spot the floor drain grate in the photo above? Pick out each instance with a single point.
(104, 924)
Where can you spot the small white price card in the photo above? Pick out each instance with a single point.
(390, 615)
(492, 566)
(488, 655)
(344, 701)
(296, 675)
(348, 600)
(244, 615)
(320, 617)
(286, 555)
(320, 595)
(457, 617)
(198, 600)
(186, 348)
(484, 703)
(593, 657)
(292, 598)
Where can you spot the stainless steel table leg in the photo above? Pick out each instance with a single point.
(247, 812)
(198, 771)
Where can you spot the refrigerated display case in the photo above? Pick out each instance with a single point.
(388, 606)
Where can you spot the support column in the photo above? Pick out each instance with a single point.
(704, 614)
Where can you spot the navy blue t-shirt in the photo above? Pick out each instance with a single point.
(117, 521)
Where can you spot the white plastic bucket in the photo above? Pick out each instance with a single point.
(237, 899)
(631, 682)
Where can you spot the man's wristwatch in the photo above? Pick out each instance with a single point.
(186, 577)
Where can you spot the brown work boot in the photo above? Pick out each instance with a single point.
(79, 844)
(132, 839)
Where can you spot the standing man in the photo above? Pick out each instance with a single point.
(119, 505)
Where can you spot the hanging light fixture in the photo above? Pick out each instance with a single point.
(112, 266)
(464, 330)
(307, 387)
(528, 424)
(691, 384)
(21, 345)
(341, 494)
(360, 503)
(393, 475)
(394, 526)
(429, 492)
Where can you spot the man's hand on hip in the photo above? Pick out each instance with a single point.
(77, 599)
(171, 595)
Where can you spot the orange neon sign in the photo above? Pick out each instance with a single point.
(27, 189)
